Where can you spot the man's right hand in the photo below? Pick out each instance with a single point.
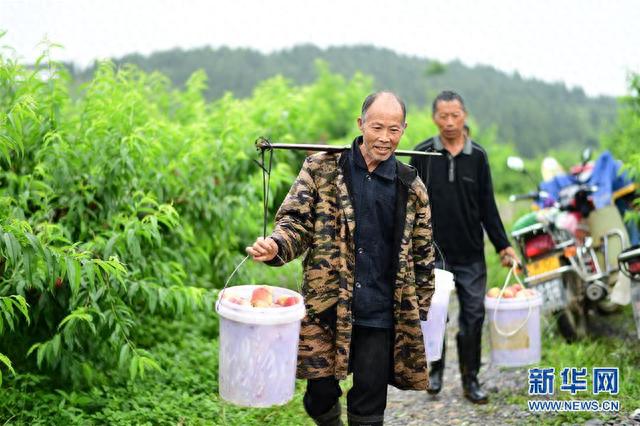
(263, 250)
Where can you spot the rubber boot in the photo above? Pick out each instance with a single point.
(355, 420)
(436, 371)
(469, 350)
(331, 417)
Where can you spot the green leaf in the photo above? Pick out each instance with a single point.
(33, 240)
(51, 268)
(78, 315)
(108, 249)
(26, 259)
(40, 354)
(74, 273)
(124, 355)
(152, 298)
(13, 247)
(133, 244)
(133, 367)
(33, 347)
(133, 289)
(89, 272)
(7, 309)
(55, 344)
(7, 362)
(22, 306)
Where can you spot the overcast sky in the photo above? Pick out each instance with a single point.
(588, 43)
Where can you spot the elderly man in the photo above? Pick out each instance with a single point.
(363, 219)
(460, 188)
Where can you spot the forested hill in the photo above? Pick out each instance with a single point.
(534, 115)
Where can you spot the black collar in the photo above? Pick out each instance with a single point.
(386, 169)
(467, 149)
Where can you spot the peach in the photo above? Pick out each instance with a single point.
(493, 292)
(286, 300)
(508, 294)
(238, 300)
(262, 297)
(516, 287)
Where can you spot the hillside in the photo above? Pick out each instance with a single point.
(534, 115)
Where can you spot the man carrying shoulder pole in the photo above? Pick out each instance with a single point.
(461, 193)
(362, 219)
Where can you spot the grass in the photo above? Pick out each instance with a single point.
(613, 343)
(186, 391)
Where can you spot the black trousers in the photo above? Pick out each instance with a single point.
(370, 362)
(471, 285)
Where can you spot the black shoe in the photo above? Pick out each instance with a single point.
(472, 390)
(330, 418)
(469, 356)
(435, 381)
(436, 372)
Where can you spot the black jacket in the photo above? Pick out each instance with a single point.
(462, 201)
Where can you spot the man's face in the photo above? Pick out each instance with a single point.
(381, 127)
(450, 118)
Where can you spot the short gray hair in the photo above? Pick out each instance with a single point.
(369, 100)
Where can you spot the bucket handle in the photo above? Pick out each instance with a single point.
(234, 272)
(513, 272)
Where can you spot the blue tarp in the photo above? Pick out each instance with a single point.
(606, 176)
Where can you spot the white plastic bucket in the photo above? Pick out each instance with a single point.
(514, 330)
(258, 349)
(434, 327)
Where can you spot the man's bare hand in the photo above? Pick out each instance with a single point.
(263, 250)
(507, 256)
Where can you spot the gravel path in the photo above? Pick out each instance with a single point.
(450, 407)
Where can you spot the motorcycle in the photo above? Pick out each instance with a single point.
(569, 245)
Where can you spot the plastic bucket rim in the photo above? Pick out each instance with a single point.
(513, 303)
(260, 316)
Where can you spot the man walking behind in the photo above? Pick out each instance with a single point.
(363, 219)
(461, 193)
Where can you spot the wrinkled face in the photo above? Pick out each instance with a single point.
(450, 117)
(381, 127)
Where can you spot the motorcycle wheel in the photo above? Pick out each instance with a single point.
(572, 320)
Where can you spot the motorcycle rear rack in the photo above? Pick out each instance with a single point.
(545, 276)
(563, 270)
(528, 229)
(533, 229)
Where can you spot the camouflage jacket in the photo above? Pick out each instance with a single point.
(317, 217)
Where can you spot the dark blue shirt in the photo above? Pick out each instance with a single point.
(374, 202)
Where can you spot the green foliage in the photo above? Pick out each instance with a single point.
(133, 199)
(623, 140)
(532, 115)
(185, 392)
(124, 208)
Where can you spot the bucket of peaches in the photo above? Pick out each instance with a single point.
(258, 344)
